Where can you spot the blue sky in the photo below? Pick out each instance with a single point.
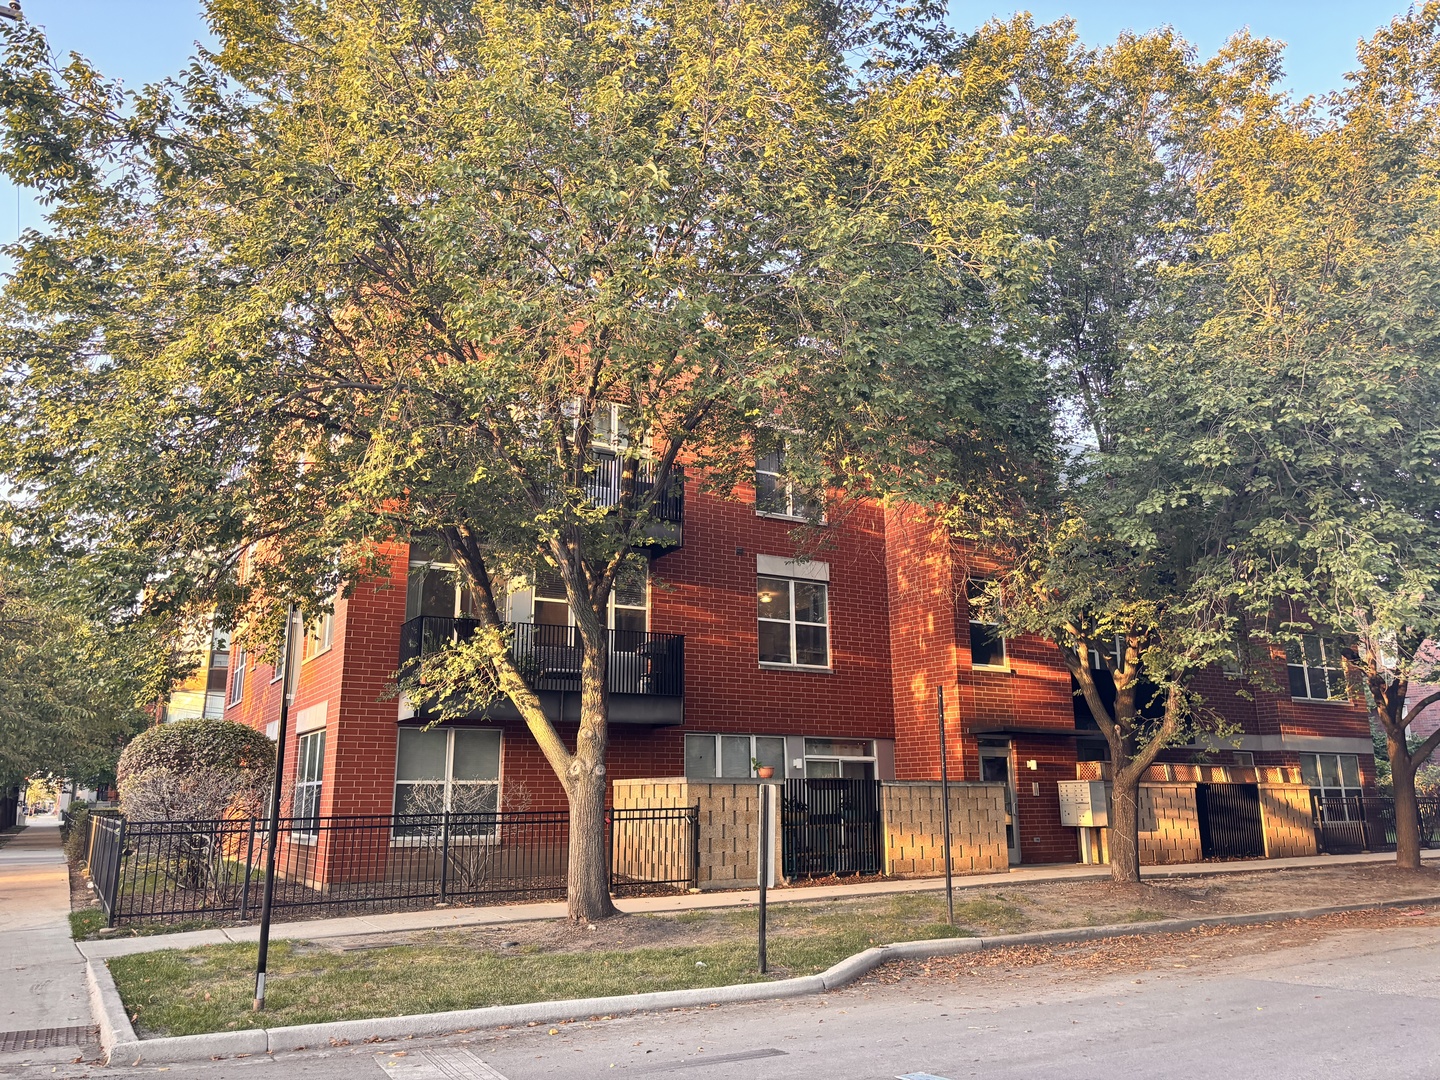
(143, 40)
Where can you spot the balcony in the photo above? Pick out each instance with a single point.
(666, 529)
(647, 671)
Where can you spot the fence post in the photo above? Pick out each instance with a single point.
(610, 862)
(445, 855)
(695, 846)
(249, 870)
(114, 889)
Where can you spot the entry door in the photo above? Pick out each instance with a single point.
(995, 768)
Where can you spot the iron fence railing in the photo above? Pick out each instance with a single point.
(164, 871)
(602, 486)
(831, 826)
(1350, 823)
(640, 662)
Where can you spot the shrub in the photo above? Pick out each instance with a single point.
(76, 831)
(195, 770)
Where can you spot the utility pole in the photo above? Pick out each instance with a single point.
(287, 691)
(945, 808)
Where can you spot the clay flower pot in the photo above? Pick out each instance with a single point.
(765, 772)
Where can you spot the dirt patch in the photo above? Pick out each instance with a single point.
(1017, 965)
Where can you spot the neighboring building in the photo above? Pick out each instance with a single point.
(202, 694)
(726, 651)
(1428, 663)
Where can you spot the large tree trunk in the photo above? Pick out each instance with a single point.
(1124, 825)
(1407, 808)
(589, 876)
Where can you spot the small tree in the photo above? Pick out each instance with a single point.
(196, 770)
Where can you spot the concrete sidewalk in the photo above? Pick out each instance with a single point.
(451, 918)
(42, 974)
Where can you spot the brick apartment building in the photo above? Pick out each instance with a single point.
(727, 650)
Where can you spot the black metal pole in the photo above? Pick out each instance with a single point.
(286, 692)
(764, 865)
(945, 809)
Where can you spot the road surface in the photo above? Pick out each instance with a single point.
(1358, 1001)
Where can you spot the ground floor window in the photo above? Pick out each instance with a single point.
(309, 775)
(848, 759)
(726, 756)
(455, 770)
(1331, 774)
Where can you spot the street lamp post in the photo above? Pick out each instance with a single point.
(12, 12)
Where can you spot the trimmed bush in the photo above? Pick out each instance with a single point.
(195, 770)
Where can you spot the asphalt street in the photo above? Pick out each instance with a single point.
(1357, 1003)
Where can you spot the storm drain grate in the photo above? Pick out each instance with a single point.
(44, 1038)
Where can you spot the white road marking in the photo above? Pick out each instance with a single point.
(436, 1065)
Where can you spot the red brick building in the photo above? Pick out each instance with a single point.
(729, 651)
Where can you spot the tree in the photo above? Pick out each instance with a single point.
(1093, 552)
(195, 770)
(1315, 374)
(72, 689)
(376, 272)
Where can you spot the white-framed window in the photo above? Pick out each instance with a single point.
(1331, 774)
(987, 647)
(319, 636)
(237, 675)
(434, 588)
(608, 429)
(447, 770)
(1244, 759)
(840, 759)
(309, 778)
(775, 496)
(628, 609)
(726, 756)
(794, 621)
(1315, 669)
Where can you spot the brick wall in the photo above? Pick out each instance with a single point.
(914, 828)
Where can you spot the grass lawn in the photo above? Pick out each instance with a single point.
(86, 923)
(209, 989)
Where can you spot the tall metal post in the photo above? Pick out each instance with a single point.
(286, 692)
(945, 808)
(764, 865)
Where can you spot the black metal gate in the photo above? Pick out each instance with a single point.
(831, 827)
(1230, 823)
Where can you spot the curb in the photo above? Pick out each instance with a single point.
(122, 1046)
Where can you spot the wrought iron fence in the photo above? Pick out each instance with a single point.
(831, 826)
(164, 871)
(1350, 823)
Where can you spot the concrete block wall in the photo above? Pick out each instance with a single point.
(729, 823)
(1289, 821)
(1169, 824)
(914, 829)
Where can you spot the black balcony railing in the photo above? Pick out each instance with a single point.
(603, 487)
(549, 656)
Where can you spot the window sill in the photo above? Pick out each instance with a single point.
(316, 655)
(1343, 702)
(766, 666)
(801, 518)
(1001, 668)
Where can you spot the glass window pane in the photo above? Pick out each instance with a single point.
(700, 756)
(1292, 653)
(772, 598)
(1312, 650)
(822, 769)
(419, 798)
(771, 752)
(810, 602)
(774, 643)
(437, 593)
(552, 613)
(1350, 770)
(549, 584)
(1336, 682)
(1297, 682)
(421, 755)
(986, 650)
(474, 798)
(811, 647)
(477, 755)
(858, 770)
(1309, 770)
(770, 497)
(630, 584)
(1329, 770)
(734, 755)
(839, 748)
(1318, 687)
(632, 622)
